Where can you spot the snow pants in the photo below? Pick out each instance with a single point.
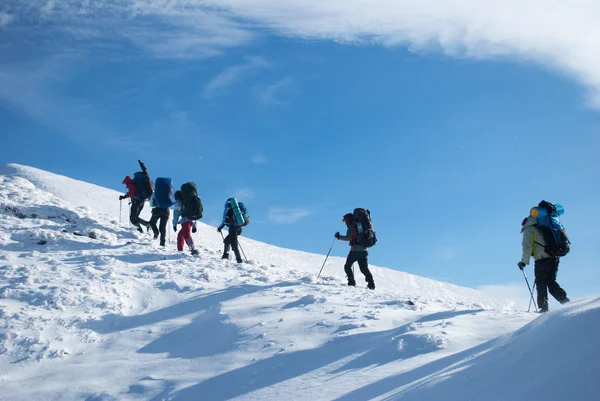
(185, 236)
(162, 214)
(231, 241)
(545, 279)
(362, 258)
(137, 205)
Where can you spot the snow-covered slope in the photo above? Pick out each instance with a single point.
(90, 310)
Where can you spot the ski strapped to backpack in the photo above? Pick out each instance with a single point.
(143, 183)
(191, 204)
(555, 235)
(164, 193)
(366, 235)
(240, 213)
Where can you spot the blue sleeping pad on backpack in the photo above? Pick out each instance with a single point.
(164, 193)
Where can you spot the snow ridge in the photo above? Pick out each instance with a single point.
(90, 310)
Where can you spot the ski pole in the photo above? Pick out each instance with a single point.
(326, 257)
(241, 249)
(530, 299)
(530, 292)
(120, 210)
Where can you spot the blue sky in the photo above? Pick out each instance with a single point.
(447, 121)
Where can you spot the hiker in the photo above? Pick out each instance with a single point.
(162, 199)
(546, 251)
(358, 252)
(235, 216)
(187, 225)
(139, 189)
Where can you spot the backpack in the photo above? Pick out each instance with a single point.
(191, 204)
(366, 235)
(555, 235)
(164, 193)
(144, 185)
(240, 213)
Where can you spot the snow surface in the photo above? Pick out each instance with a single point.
(93, 311)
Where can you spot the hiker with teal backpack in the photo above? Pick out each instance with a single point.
(188, 208)
(139, 189)
(547, 241)
(162, 199)
(235, 216)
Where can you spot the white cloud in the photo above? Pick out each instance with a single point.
(560, 35)
(259, 158)
(287, 215)
(243, 193)
(563, 35)
(5, 19)
(231, 75)
(268, 94)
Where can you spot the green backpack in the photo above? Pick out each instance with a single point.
(192, 205)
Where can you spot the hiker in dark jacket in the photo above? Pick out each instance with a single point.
(137, 204)
(357, 253)
(235, 230)
(162, 214)
(546, 265)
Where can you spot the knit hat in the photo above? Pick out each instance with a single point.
(348, 218)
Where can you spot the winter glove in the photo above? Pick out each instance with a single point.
(194, 229)
(220, 228)
(175, 228)
(122, 197)
(521, 265)
(337, 235)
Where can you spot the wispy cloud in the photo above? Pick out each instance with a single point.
(461, 28)
(287, 215)
(244, 193)
(5, 19)
(232, 75)
(203, 28)
(269, 94)
(259, 158)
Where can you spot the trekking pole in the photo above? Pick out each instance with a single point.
(326, 257)
(241, 249)
(530, 299)
(120, 210)
(530, 292)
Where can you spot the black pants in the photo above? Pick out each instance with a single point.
(362, 258)
(137, 205)
(545, 280)
(162, 214)
(231, 242)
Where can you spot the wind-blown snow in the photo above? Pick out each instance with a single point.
(90, 310)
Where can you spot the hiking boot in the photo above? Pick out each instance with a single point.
(351, 282)
(543, 310)
(565, 301)
(195, 252)
(371, 285)
(162, 243)
(155, 236)
(225, 256)
(140, 229)
(239, 260)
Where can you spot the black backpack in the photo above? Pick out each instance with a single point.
(143, 183)
(366, 235)
(192, 205)
(555, 235)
